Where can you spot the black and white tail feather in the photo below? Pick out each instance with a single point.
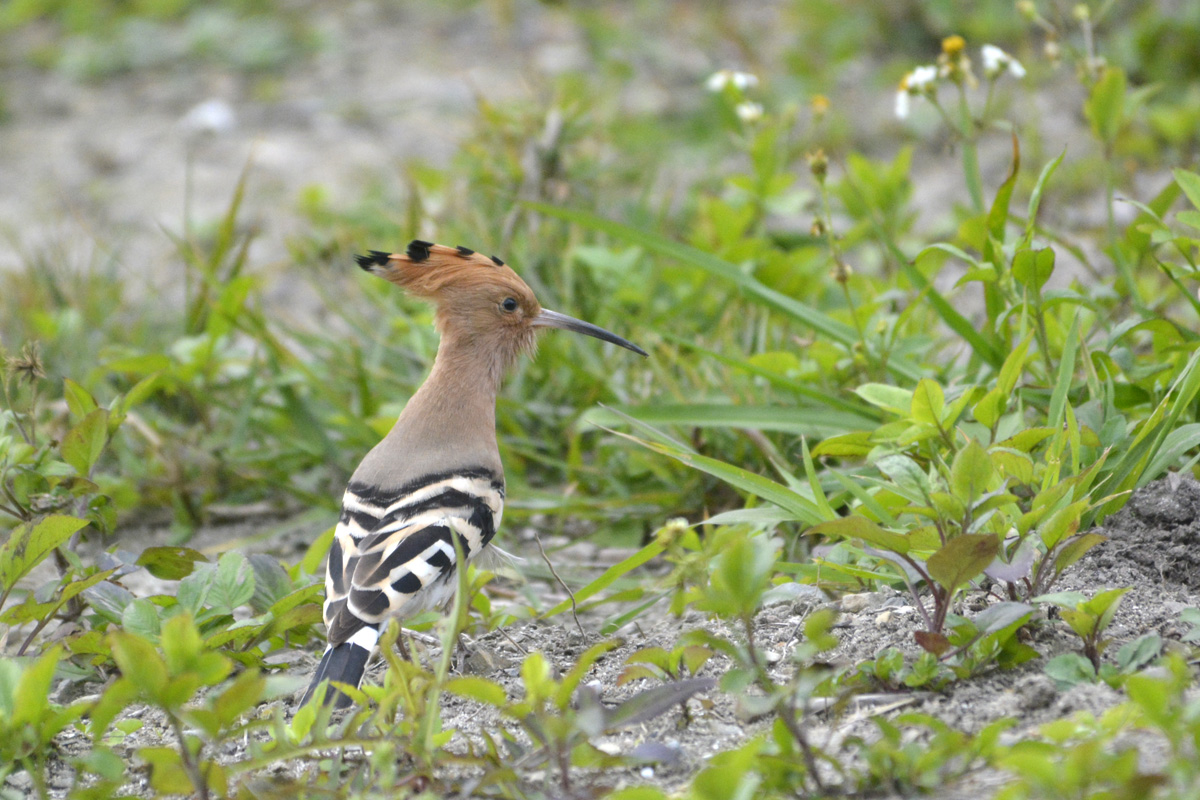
(393, 557)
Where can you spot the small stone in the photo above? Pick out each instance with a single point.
(853, 603)
(609, 748)
(647, 772)
(883, 619)
(1036, 691)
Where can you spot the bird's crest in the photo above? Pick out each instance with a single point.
(431, 270)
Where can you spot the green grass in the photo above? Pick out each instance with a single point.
(936, 403)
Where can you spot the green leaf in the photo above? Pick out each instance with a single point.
(609, 576)
(1035, 197)
(79, 400)
(928, 402)
(805, 510)
(864, 530)
(1062, 523)
(271, 581)
(575, 675)
(32, 689)
(27, 545)
(477, 688)
(240, 696)
(139, 661)
(1105, 108)
(803, 421)
(962, 559)
(317, 551)
(1034, 267)
(1190, 183)
(892, 398)
(1066, 370)
(654, 702)
(141, 617)
(999, 616)
(83, 444)
(170, 563)
(1070, 669)
(167, 772)
(233, 583)
(740, 575)
(970, 473)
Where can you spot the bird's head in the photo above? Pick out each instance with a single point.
(480, 301)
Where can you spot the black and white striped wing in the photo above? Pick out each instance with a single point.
(392, 553)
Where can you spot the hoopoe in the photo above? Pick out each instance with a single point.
(438, 472)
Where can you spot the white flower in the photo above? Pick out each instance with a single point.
(749, 112)
(725, 77)
(996, 61)
(918, 83)
(921, 78)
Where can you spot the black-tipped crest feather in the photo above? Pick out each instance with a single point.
(375, 258)
(418, 250)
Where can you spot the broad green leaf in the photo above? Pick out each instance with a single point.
(141, 617)
(891, 398)
(864, 530)
(233, 583)
(1000, 615)
(271, 581)
(83, 444)
(139, 661)
(1190, 183)
(1061, 524)
(477, 688)
(990, 408)
(1014, 364)
(847, 445)
(1105, 108)
(928, 402)
(28, 545)
(1028, 439)
(741, 574)
(79, 400)
(170, 563)
(970, 473)
(1033, 267)
(32, 689)
(962, 558)
(168, 775)
(239, 697)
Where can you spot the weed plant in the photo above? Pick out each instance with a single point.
(841, 396)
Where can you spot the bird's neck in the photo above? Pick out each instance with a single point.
(448, 424)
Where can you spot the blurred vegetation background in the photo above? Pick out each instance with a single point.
(138, 246)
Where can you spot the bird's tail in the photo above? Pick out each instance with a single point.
(344, 663)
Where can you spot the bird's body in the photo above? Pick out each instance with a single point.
(437, 473)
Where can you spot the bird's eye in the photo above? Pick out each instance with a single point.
(509, 304)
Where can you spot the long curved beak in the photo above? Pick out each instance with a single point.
(552, 319)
